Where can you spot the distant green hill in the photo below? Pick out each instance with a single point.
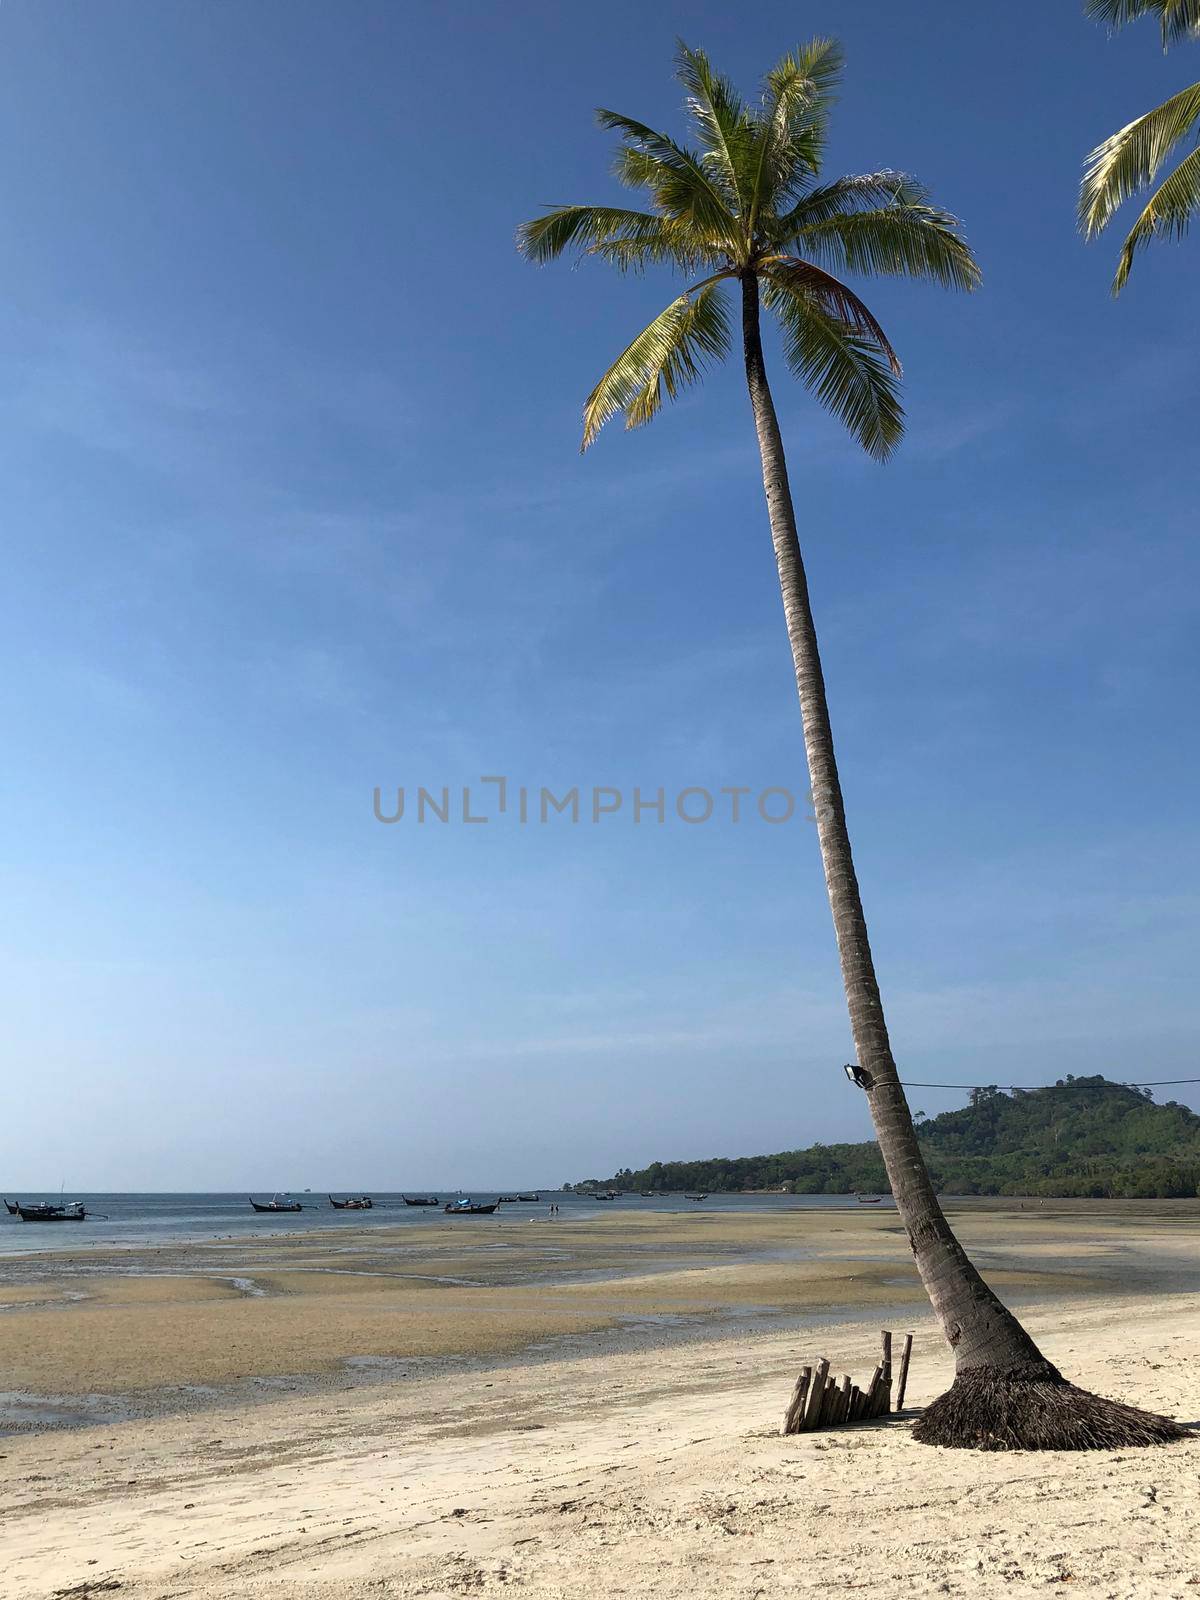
(1084, 1136)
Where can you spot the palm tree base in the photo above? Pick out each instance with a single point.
(1033, 1407)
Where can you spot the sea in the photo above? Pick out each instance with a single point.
(140, 1219)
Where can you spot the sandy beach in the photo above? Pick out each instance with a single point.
(577, 1416)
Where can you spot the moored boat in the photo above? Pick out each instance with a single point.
(533, 1198)
(421, 1200)
(41, 1211)
(703, 1196)
(508, 1199)
(359, 1202)
(275, 1205)
(469, 1208)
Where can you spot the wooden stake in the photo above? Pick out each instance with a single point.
(856, 1403)
(843, 1411)
(816, 1395)
(887, 1372)
(795, 1410)
(873, 1393)
(908, 1339)
(826, 1415)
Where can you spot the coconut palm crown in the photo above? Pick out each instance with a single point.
(745, 200)
(1134, 156)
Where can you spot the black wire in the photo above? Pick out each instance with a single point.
(1153, 1083)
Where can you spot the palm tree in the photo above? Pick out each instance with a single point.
(745, 210)
(1133, 157)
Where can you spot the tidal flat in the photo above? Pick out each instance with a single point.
(504, 1403)
(108, 1334)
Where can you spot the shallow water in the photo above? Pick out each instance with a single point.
(141, 1219)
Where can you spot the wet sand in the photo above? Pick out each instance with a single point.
(140, 1332)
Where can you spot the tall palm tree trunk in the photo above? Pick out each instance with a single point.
(997, 1363)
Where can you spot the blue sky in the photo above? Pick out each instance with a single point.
(293, 508)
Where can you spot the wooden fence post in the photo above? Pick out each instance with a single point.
(826, 1413)
(873, 1392)
(795, 1410)
(816, 1396)
(843, 1410)
(908, 1339)
(887, 1372)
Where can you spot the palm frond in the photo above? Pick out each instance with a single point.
(584, 227)
(675, 247)
(675, 176)
(1132, 157)
(1180, 19)
(631, 240)
(808, 282)
(907, 238)
(845, 359)
(797, 96)
(862, 192)
(1167, 214)
(726, 132)
(666, 357)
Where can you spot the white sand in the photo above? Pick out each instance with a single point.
(658, 1473)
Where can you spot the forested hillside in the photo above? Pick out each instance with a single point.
(1083, 1136)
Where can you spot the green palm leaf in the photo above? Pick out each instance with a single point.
(585, 227)
(1133, 156)
(908, 238)
(629, 239)
(845, 359)
(667, 356)
(1167, 214)
(676, 176)
(865, 191)
(797, 97)
(808, 282)
(1180, 18)
(726, 133)
(672, 248)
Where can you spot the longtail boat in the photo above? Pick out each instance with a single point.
(421, 1200)
(359, 1202)
(275, 1205)
(469, 1208)
(43, 1212)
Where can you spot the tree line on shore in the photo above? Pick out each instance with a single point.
(1084, 1137)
